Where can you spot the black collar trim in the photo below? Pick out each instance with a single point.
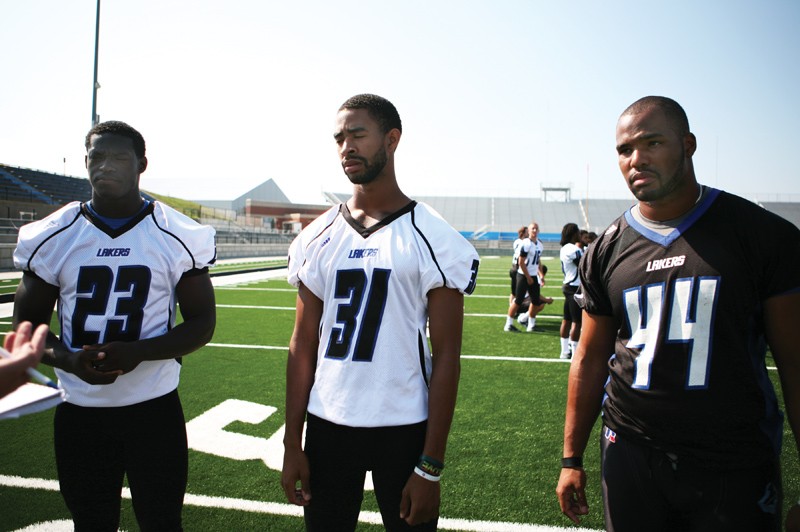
(110, 231)
(367, 231)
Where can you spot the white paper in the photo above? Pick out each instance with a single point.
(28, 399)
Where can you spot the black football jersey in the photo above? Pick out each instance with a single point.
(688, 374)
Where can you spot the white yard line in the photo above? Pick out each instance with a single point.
(275, 508)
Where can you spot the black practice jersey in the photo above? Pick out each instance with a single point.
(688, 374)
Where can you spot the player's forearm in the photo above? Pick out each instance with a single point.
(181, 340)
(55, 353)
(298, 387)
(300, 368)
(584, 395)
(442, 396)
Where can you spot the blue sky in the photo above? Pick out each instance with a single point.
(497, 97)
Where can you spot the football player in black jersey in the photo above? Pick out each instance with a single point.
(678, 312)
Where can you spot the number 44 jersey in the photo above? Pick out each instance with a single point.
(688, 371)
(374, 362)
(116, 285)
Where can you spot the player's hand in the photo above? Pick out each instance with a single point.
(86, 365)
(117, 357)
(420, 500)
(793, 518)
(26, 351)
(571, 494)
(295, 469)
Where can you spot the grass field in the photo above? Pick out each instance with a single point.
(503, 453)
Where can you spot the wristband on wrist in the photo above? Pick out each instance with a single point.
(427, 476)
(431, 466)
(572, 462)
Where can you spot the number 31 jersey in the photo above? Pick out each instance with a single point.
(688, 373)
(374, 362)
(115, 284)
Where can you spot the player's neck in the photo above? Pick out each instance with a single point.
(673, 206)
(372, 202)
(117, 207)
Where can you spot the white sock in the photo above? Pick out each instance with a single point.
(531, 323)
(573, 346)
(509, 321)
(564, 345)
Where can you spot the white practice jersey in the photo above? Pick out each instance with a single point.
(532, 251)
(570, 258)
(517, 247)
(115, 284)
(374, 361)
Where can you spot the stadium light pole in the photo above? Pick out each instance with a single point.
(95, 85)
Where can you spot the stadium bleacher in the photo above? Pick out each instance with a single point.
(785, 209)
(490, 222)
(52, 189)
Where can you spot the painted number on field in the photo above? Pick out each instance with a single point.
(207, 434)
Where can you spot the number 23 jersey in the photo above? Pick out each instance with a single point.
(688, 374)
(374, 362)
(116, 284)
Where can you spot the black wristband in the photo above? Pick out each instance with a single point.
(572, 462)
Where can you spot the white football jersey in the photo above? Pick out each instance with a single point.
(517, 247)
(532, 251)
(570, 258)
(374, 361)
(115, 284)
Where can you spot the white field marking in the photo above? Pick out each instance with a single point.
(515, 359)
(474, 357)
(275, 508)
(256, 289)
(543, 316)
(501, 297)
(206, 433)
(245, 346)
(257, 307)
(473, 315)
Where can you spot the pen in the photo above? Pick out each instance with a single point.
(35, 375)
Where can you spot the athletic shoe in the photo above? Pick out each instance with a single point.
(510, 328)
(523, 318)
(566, 355)
(531, 329)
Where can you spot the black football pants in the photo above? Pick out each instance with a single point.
(96, 447)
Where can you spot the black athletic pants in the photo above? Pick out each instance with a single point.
(647, 489)
(339, 458)
(96, 447)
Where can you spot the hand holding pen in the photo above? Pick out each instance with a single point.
(23, 350)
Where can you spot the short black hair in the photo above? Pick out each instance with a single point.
(115, 127)
(570, 234)
(671, 109)
(379, 108)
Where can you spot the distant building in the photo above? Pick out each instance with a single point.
(267, 206)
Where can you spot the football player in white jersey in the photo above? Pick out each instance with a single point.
(117, 266)
(371, 274)
(522, 234)
(530, 279)
(570, 255)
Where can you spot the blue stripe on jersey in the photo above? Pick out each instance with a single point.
(666, 240)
